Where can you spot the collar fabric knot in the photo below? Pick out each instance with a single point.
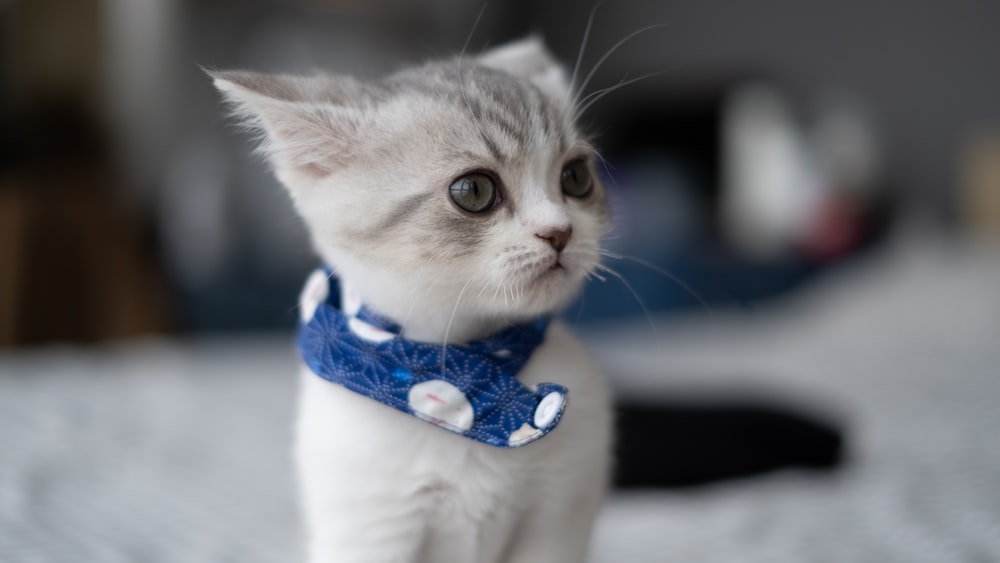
(470, 389)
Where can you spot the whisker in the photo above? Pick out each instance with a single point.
(574, 92)
(461, 79)
(672, 277)
(447, 330)
(486, 286)
(608, 167)
(611, 51)
(635, 294)
(596, 96)
(468, 38)
(581, 301)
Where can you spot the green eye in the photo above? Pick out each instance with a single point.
(474, 192)
(576, 180)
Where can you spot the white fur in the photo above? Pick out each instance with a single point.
(378, 485)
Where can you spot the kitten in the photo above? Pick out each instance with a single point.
(454, 200)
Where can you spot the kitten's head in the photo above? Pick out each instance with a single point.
(459, 187)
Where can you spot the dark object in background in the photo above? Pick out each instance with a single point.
(75, 265)
(682, 444)
(72, 266)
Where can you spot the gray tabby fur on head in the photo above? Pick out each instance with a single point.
(369, 166)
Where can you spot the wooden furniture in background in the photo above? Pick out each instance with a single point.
(71, 267)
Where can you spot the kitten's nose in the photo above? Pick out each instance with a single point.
(557, 237)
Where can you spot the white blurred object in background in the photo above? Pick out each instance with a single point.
(788, 189)
(769, 182)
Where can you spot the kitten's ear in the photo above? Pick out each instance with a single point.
(528, 58)
(309, 128)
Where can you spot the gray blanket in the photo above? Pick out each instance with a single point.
(175, 451)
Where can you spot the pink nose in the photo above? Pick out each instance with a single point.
(556, 237)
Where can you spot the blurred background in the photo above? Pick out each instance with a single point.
(807, 206)
(778, 140)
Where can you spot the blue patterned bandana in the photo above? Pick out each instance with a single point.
(470, 389)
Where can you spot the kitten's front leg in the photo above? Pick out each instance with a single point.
(556, 533)
(383, 533)
(571, 472)
(357, 498)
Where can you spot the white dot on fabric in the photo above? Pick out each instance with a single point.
(526, 433)
(368, 332)
(441, 403)
(504, 353)
(313, 293)
(350, 303)
(548, 408)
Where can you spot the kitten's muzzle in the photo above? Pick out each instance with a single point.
(558, 238)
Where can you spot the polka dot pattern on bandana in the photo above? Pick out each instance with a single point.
(469, 389)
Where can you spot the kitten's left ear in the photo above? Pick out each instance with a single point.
(528, 58)
(309, 125)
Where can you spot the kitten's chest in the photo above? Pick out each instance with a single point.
(475, 481)
(342, 433)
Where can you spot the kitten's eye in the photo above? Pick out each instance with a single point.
(474, 192)
(576, 180)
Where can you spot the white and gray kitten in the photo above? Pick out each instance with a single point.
(370, 167)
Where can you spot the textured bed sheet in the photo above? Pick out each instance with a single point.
(178, 451)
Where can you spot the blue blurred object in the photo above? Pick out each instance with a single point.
(664, 254)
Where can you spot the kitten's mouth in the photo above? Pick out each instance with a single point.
(555, 269)
(547, 274)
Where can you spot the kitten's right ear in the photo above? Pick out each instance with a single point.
(309, 128)
(528, 58)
